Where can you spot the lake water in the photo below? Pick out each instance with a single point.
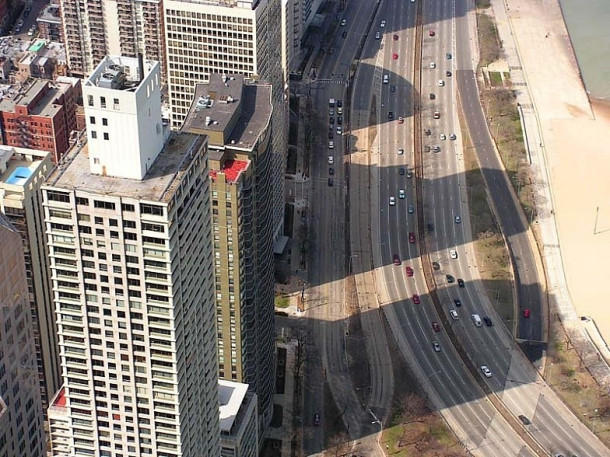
(588, 23)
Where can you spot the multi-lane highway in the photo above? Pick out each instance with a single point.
(387, 236)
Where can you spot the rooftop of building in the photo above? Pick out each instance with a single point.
(23, 94)
(13, 48)
(231, 169)
(120, 73)
(158, 185)
(50, 13)
(17, 165)
(231, 396)
(215, 103)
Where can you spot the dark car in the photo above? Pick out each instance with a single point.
(396, 260)
(411, 237)
(457, 302)
(428, 132)
(432, 96)
(436, 327)
(436, 266)
(330, 181)
(430, 227)
(431, 33)
(339, 104)
(316, 420)
(447, 73)
(450, 279)
(340, 120)
(488, 321)
(401, 171)
(392, 88)
(409, 271)
(344, 34)
(391, 115)
(461, 282)
(426, 148)
(524, 419)
(416, 299)
(331, 135)
(331, 171)
(526, 313)
(331, 120)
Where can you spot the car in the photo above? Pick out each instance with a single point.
(448, 56)
(409, 174)
(453, 254)
(452, 136)
(442, 136)
(392, 88)
(391, 115)
(396, 260)
(331, 135)
(377, 35)
(432, 96)
(436, 327)
(426, 148)
(461, 283)
(28, 8)
(432, 64)
(340, 120)
(343, 22)
(401, 171)
(316, 420)
(331, 120)
(524, 419)
(431, 33)
(436, 266)
(339, 130)
(331, 160)
(488, 321)
(331, 171)
(410, 209)
(526, 313)
(31, 32)
(409, 271)
(331, 145)
(400, 120)
(450, 279)
(401, 194)
(401, 151)
(486, 371)
(331, 111)
(454, 315)
(457, 219)
(428, 132)
(457, 302)
(382, 25)
(436, 148)
(437, 115)
(447, 73)
(392, 201)
(395, 37)
(416, 299)
(441, 83)
(411, 237)
(20, 23)
(339, 104)
(394, 56)
(330, 182)
(18, 29)
(436, 346)
(344, 35)
(430, 227)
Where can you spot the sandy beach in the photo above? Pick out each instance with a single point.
(576, 134)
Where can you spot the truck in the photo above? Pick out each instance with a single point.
(331, 102)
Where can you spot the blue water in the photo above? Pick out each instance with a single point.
(19, 176)
(588, 24)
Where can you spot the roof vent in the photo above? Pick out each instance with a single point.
(208, 120)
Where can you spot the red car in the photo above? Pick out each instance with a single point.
(395, 56)
(400, 120)
(416, 299)
(437, 115)
(431, 33)
(411, 237)
(436, 327)
(526, 313)
(395, 37)
(396, 260)
(409, 271)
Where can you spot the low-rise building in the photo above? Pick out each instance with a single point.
(38, 58)
(49, 24)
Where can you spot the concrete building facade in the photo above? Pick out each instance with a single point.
(22, 173)
(96, 28)
(229, 37)
(21, 430)
(236, 117)
(132, 273)
(40, 114)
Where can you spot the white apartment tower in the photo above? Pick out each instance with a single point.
(129, 233)
(241, 37)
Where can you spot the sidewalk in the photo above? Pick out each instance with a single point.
(533, 37)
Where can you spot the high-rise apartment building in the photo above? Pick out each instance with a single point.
(238, 420)
(236, 117)
(132, 273)
(21, 431)
(229, 37)
(22, 173)
(93, 29)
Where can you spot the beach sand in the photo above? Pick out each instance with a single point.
(576, 134)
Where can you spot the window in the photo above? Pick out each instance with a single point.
(93, 134)
(106, 137)
(90, 100)
(96, 161)
(104, 121)
(92, 119)
(103, 102)
(116, 103)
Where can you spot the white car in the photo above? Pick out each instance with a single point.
(401, 194)
(339, 130)
(454, 315)
(435, 345)
(331, 160)
(401, 151)
(486, 371)
(343, 22)
(452, 136)
(392, 201)
(409, 174)
(432, 65)
(382, 25)
(453, 254)
(443, 136)
(331, 144)
(441, 83)
(457, 219)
